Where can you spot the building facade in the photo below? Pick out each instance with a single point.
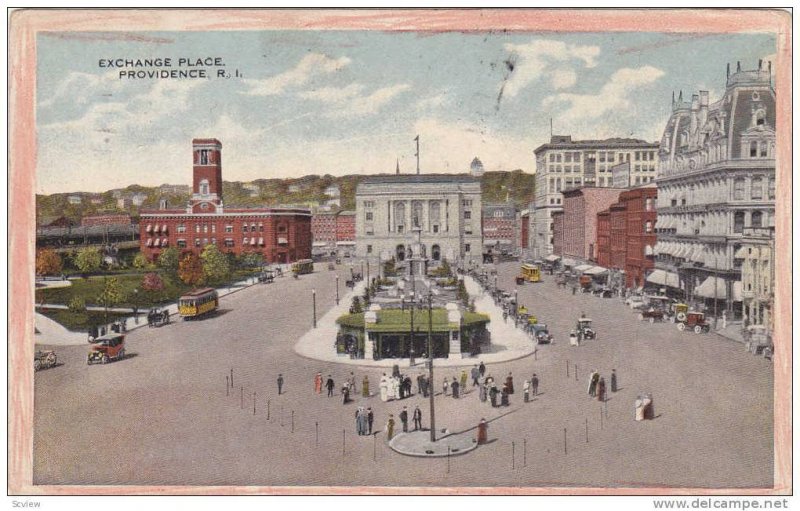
(524, 229)
(558, 233)
(757, 259)
(445, 207)
(579, 228)
(640, 237)
(716, 179)
(106, 220)
(564, 164)
(603, 238)
(281, 235)
(500, 225)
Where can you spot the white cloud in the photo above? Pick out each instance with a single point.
(432, 102)
(366, 105)
(563, 78)
(535, 60)
(311, 65)
(79, 88)
(615, 95)
(333, 94)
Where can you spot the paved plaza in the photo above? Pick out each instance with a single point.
(163, 415)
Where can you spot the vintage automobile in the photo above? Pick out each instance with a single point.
(44, 359)
(266, 277)
(694, 321)
(541, 333)
(585, 330)
(157, 317)
(585, 282)
(561, 279)
(652, 314)
(757, 339)
(677, 312)
(634, 301)
(107, 348)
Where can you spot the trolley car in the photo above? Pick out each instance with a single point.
(303, 266)
(198, 303)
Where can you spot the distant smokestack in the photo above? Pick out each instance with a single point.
(397, 170)
(728, 73)
(738, 66)
(759, 64)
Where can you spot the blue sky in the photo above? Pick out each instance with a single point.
(336, 102)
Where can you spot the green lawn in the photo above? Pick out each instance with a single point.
(81, 321)
(90, 288)
(392, 320)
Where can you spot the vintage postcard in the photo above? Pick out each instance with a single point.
(476, 251)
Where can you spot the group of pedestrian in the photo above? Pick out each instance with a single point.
(530, 388)
(395, 387)
(489, 390)
(364, 420)
(597, 385)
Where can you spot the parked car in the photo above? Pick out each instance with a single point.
(44, 359)
(541, 333)
(634, 301)
(585, 330)
(652, 314)
(107, 348)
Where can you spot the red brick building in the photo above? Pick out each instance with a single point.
(333, 232)
(558, 232)
(626, 234)
(323, 228)
(579, 232)
(282, 235)
(499, 225)
(106, 220)
(346, 227)
(524, 221)
(604, 239)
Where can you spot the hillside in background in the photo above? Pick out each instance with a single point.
(309, 191)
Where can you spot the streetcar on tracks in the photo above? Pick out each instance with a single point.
(198, 303)
(303, 266)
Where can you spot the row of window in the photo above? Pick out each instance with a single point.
(602, 156)
(204, 228)
(228, 242)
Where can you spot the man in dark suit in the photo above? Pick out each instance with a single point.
(404, 419)
(329, 385)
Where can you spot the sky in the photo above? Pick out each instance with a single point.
(352, 102)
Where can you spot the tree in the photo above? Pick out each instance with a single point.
(190, 269)
(355, 308)
(140, 262)
(48, 262)
(77, 305)
(169, 260)
(112, 293)
(152, 282)
(215, 264)
(251, 260)
(88, 260)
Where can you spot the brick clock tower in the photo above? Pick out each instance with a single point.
(207, 176)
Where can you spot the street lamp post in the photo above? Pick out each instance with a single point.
(314, 307)
(337, 289)
(430, 365)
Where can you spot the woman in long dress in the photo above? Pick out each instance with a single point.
(482, 392)
(384, 386)
(318, 383)
(483, 428)
(390, 428)
(445, 386)
(639, 408)
(365, 386)
(601, 390)
(396, 387)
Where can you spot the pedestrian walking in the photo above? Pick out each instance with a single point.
(504, 396)
(482, 369)
(483, 432)
(445, 386)
(329, 385)
(370, 419)
(534, 385)
(280, 384)
(455, 386)
(425, 386)
(463, 382)
(384, 386)
(475, 374)
(404, 419)
(390, 427)
(526, 391)
(613, 380)
(594, 377)
(365, 386)
(510, 383)
(482, 392)
(361, 421)
(417, 418)
(318, 383)
(345, 393)
(601, 389)
(420, 377)
(352, 383)
(407, 383)
(493, 394)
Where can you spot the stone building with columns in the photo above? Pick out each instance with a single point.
(446, 208)
(716, 180)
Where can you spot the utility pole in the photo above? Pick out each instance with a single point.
(430, 365)
(417, 153)
(413, 299)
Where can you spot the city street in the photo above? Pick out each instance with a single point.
(163, 415)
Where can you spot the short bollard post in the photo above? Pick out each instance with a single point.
(512, 455)
(241, 398)
(576, 372)
(567, 368)
(267, 409)
(601, 418)
(254, 403)
(343, 443)
(448, 459)
(524, 452)
(565, 440)
(316, 431)
(227, 386)
(587, 427)
(231, 378)
(292, 421)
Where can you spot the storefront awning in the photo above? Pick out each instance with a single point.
(698, 255)
(252, 241)
(164, 242)
(741, 253)
(149, 228)
(568, 262)
(712, 287)
(595, 270)
(164, 228)
(261, 241)
(663, 278)
(282, 241)
(648, 250)
(552, 258)
(583, 267)
(319, 244)
(346, 243)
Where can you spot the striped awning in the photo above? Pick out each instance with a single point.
(164, 242)
(261, 241)
(648, 250)
(663, 278)
(698, 254)
(253, 241)
(552, 258)
(596, 270)
(149, 228)
(712, 287)
(583, 267)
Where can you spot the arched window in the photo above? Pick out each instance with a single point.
(436, 252)
(761, 117)
(756, 188)
(204, 187)
(400, 216)
(738, 222)
(756, 219)
(416, 213)
(400, 252)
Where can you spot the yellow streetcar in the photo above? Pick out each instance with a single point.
(531, 272)
(198, 303)
(303, 266)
